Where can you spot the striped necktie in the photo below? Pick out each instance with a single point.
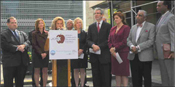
(16, 35)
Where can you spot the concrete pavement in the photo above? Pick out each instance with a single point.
(156, 79)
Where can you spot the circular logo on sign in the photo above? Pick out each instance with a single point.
(52, 52)
(61, 38)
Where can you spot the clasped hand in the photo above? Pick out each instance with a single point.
(80, 51)
(95, 47)
(43, 55)
(134, 49)
(21, 48)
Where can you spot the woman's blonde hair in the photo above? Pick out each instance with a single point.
(54, 21)
(37, 23)
(75, 22)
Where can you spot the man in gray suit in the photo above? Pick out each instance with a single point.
(165, 34)
(140, 41)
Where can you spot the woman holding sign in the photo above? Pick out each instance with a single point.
(80, 64)
(117, 42)
(40, 57)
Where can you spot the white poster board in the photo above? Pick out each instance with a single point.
(63, 44)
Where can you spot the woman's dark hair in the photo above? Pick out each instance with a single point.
(121, 15)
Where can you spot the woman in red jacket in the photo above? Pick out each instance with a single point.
(117, 43)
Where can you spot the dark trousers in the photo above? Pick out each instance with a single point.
(62, 73)
(141, 69)
(101, 74)
(18, 72)
(33, 80)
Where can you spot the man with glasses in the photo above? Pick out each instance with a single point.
(15, 59)
(140, 41)
(97, 40)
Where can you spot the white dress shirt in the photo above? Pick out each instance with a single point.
(99, 26)
(13, 32)
(139, 29)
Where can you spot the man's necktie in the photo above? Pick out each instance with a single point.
(16, 35)
(98, 27)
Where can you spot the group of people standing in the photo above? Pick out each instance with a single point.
(40, 56)
(16, 59)
(136, 46)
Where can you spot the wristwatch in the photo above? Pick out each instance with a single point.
(137, 48)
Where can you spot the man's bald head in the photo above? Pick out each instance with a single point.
(69, 24)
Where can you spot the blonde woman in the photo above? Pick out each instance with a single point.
(79, 65)
(40, 57)
(58, 23)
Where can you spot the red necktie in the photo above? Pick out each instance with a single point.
(98, 27)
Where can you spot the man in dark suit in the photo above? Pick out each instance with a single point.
(97, 39)
(33, 80)
(15, 59)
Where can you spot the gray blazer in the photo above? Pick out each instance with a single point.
(165, 33)
(145, 41)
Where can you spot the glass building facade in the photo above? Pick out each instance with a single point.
(27, 12)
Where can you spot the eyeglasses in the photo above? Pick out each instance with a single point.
(97, 13)
(140, 15)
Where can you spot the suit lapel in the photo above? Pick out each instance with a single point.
(14, 36)
(164, 18)
(158, 25)
(161, 21)
(95, 27)
(158, 21)
(143, 30)
(102, 26)
(20, 36)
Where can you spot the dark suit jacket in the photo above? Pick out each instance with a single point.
(100, 39)
(10, 56)
(82, 41)
(30, 36)
(82, 45)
